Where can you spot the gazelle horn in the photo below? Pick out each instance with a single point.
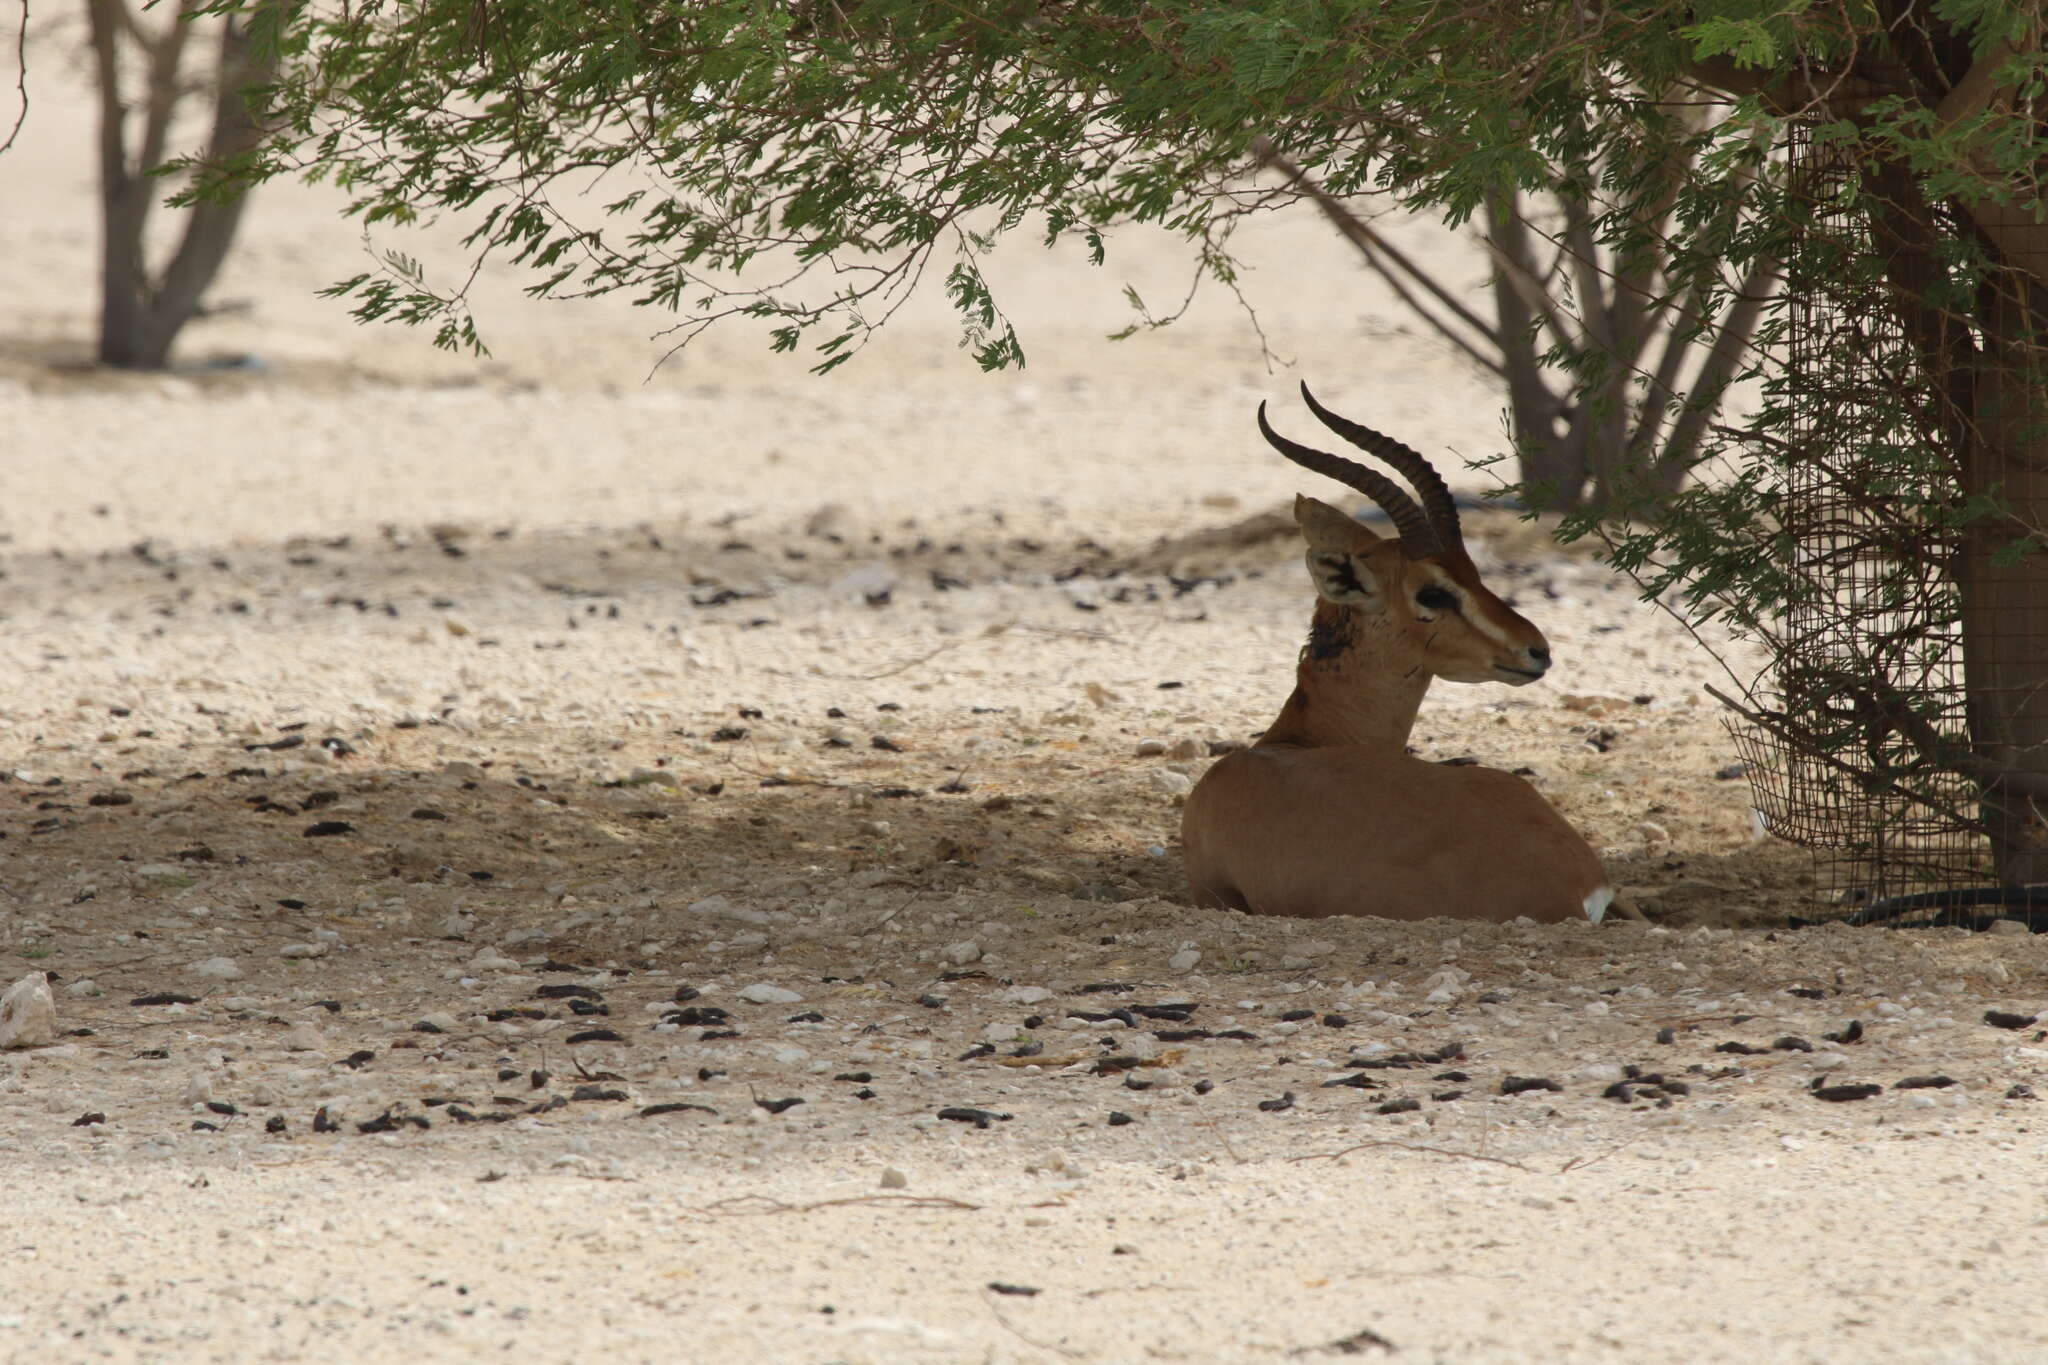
(1436, 495)
(1418, 534)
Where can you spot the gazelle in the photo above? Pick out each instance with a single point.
(1328, 814)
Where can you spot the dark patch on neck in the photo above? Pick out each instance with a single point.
(1331, 637)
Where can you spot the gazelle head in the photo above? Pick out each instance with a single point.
(1418, 593)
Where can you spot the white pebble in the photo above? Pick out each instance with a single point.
(303, 1037)
(1185, 959)
(28, 1013)
(761, 993)
(219, 968)
(964, 952)
(303, 950)
(1170, 782)
(893, 1179)
(1025, 995)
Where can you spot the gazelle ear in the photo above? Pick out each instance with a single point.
(1335, 564)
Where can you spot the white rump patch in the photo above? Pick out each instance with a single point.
(1597, 903)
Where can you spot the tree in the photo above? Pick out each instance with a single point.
(808, 163)
(142, 309)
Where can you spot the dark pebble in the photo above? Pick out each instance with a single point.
(1180, 1035)
(275, 1124)
(1296, 1016)
(110, 799)
(88, 1120)
(1174, 1012)
(1360, 1081)
(598, 1092)
(1741, 1049)
(1446, 1096)
(537, 1078)
(1110, 1066)
(428, 813)
(1851, 1034)
(1118, 1118)
(857, 1077)
(596, 1035)
(388, 1122)
(1667, 1036)
(726, 734)
(518, 1012)
(1457, 1076)
(932, 1002)
(1027, 1050)
(1518, 1085)
(1404, 1105)
(685, 994)
(165, 998)
(322, 1123)
(331, 1006)
(1034, 1021)
(2020, 1092)
(324, 828)
(1203, 1087)
(1241, 1034)
(1806, 992)
(223, 1108)
(700, 1016)
(202, 1126)
(567, 992)
(1021, 1289)
(586, 1009)
(1840, 1094)
(807, 1017)
(779, 1106)
(885, 744)
(424, 1027)
(2007, 1019)
(1335, 1021)
(1924, 1083)
(653, 1111)
(1279, 1106)
(1792, 1042)
(980, 1118)
(863, 1094)
(978, 1050)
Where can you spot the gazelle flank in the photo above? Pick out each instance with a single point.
(1328, 814)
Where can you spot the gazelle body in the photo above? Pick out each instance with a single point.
(1328, 814)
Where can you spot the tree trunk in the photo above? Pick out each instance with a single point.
(141, 315)
(2005, 593)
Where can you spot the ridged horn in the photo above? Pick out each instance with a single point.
(1411, 464)
(1418, 535)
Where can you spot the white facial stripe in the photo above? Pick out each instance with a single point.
(1490, 629)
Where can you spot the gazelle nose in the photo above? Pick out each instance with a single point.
(1539, 656)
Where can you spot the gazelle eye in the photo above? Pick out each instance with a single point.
(1433, 598)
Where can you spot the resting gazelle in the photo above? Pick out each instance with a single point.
(1328, 814)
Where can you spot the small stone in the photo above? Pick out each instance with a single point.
(440, 1021)
(1149, 748)
(219, 968)
(964, 952)
(28, 1013)
(302, 950)
(1025, 995)
(303, 1036)
(761, 993)
(893, 1179)
(84, 986)
(1170, 782)
(1185, 959)
(198, 1088)
(491, 960)
(2009, 926)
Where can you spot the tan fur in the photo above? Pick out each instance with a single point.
(1328, 815)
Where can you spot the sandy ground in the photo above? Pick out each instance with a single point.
(786, 730)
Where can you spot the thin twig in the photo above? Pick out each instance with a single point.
(20, 77)
(1018, 1333)
(903, 667)
(756, 1203)
(1410, 1147)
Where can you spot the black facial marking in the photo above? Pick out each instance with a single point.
(1332, 638)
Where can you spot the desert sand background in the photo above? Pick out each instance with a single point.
(500, 621)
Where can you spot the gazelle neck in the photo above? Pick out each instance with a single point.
(1350, 688)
